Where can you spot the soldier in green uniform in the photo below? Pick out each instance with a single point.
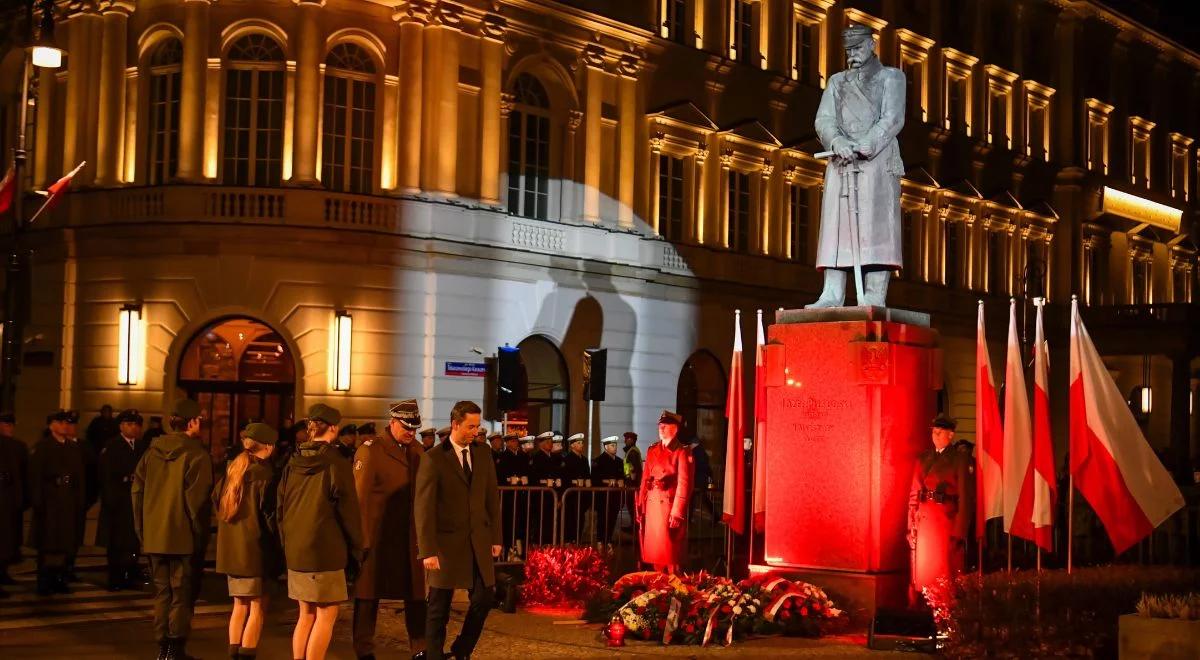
(57, 475)
(940, 506)
(385, 476)
(14, 496)
(171, 489)
(118, 460)
(247, 547)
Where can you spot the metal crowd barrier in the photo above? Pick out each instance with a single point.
(529, 518)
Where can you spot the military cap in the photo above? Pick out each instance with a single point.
(8, 418)
(366, 429)
(668, 417)
(578, 437)
(856, 34)
(548, 435)
(496, 435)
(511, 436)
(348, 429)
(129, 415)
(407, 413)
(444, 432)
(427, 431)
(526, 440)
(330, 415)
(260, 433)
(610, 440)
(944, 421)
(630, 434)
(482, 430)
(186, 409)
(63, 416)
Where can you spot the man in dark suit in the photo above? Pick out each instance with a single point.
(458, 530)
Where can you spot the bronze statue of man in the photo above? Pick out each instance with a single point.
(861, 113)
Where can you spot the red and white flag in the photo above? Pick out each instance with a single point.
(1018, 437)
(733, 504)
(8, 189)
(57, 190)
(760, 431)
(1112, 464)
(1045, 487)
(989, 438)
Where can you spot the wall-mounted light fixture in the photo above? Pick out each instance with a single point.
(343, 327)
(44, 50)
(131, 344)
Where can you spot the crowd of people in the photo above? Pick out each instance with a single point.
(319, 504)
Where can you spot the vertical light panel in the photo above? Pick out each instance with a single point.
(131, 345)
(342, 331)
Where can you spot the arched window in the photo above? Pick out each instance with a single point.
(348, 127)
(547, 388)
(254, 97)
(529, 149)
(164, 74)
(700, 399)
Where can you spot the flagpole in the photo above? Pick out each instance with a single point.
(50, 198)
(1070, 515)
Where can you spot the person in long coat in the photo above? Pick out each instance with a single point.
(662, 502)
(115, 532)
(860, 115)
(57, 491)
(940, 506)
(608, 471)
(14, 495)
(385, 476)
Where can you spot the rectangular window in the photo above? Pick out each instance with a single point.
(1036, 268)
(743, 32)
(739, 211)
(164, 126)
(253, 153)
(800, 220)
(1141, 282)
(804, 49)
(1181, 149)
(952, 274)
(1139, 151)
(670, 197)
(675, 23)
(1182, 285)
(529, 165)
(997, 263)
(1093, 276)
(956, 104)
(914, 71)
(1097, 134)
(998, 120)
(909, 224)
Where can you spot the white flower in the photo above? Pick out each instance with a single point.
(737, 610)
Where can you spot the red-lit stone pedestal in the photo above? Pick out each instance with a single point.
(850, 393)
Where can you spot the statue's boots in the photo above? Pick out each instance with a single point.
(875, 287)
(834, 293)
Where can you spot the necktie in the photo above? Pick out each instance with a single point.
(466, 465)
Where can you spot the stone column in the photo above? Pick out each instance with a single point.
(129, 155)
(308, 51)
(570, 198)
(696, 230)
(440, 87)
(192, 79)
(593, 59)
(1067, 106)
(654, 213)
(412, 18)
(111, 136)
(628, 152)
(47, 85)
(80, 121)
(491, 60)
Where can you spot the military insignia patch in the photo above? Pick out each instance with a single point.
(357, 465)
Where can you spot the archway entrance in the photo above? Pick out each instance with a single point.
(701, 401)
(547, 405)
(240, 371)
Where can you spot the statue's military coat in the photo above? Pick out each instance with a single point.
(864, 106)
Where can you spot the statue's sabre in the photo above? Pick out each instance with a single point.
(852, 213)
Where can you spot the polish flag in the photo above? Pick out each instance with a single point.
(56, 191)
(989, 500)
(1045, 486)
(733, 503)
(760, 432)
(1112, 464)
(1018, 438)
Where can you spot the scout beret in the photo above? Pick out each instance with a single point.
(578, 437)
(548, 435)
(186, 409)
(944, 421)
(427, 431)
(366, 429)
(324, 413)
(856, 34)
(444, 432)
(129, 415)
(630, 434)
(260, 433)
(348, 429)
(610, 440)
(8, 418)
(668, 417)
(407, 413)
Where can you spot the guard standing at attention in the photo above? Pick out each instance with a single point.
(608, 471)
(14, 496)
(662, 503)
(940, 506)
(171, 489)
(385, 476)
(57, 472)
(118, 461)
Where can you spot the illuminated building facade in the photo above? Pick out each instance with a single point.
(426, 178)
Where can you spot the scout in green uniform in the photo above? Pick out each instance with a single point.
(118, 460)
(171, 490)
(14, 495)
(385, 474)
(57, 492)
(321, 528)
(247, 550)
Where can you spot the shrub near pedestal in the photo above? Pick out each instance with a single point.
(1165, 628)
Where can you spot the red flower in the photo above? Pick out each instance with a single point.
(689, 628)
(646, 633)
(803, 611)
(725, 609)
(638, 592)
(816, 607)
(787, 605)
(785, 615)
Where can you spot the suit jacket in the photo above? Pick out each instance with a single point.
(458, 521)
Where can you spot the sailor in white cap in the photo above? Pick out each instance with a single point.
(608, 471)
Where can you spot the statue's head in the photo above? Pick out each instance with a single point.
(859, 42)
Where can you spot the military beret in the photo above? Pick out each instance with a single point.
(324, 413)
(578, 437)
(366, 429)
(610, 440)
(944, 421)
(856, 34)
(668, 417)
(630, 434)
(129, 415)
(427, 431)
(348, 429)
(407, 413)
(260, 433)
(186, 409)
(444, 432)
(548, 435)
(8, 418)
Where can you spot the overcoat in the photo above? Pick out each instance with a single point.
(118, 461)
(863, 106)
(248, 545)
(385, 477)
(171, 489)
(57, 490)
(14, 497)
(665, 491)
(458, 519)
(939, 514)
